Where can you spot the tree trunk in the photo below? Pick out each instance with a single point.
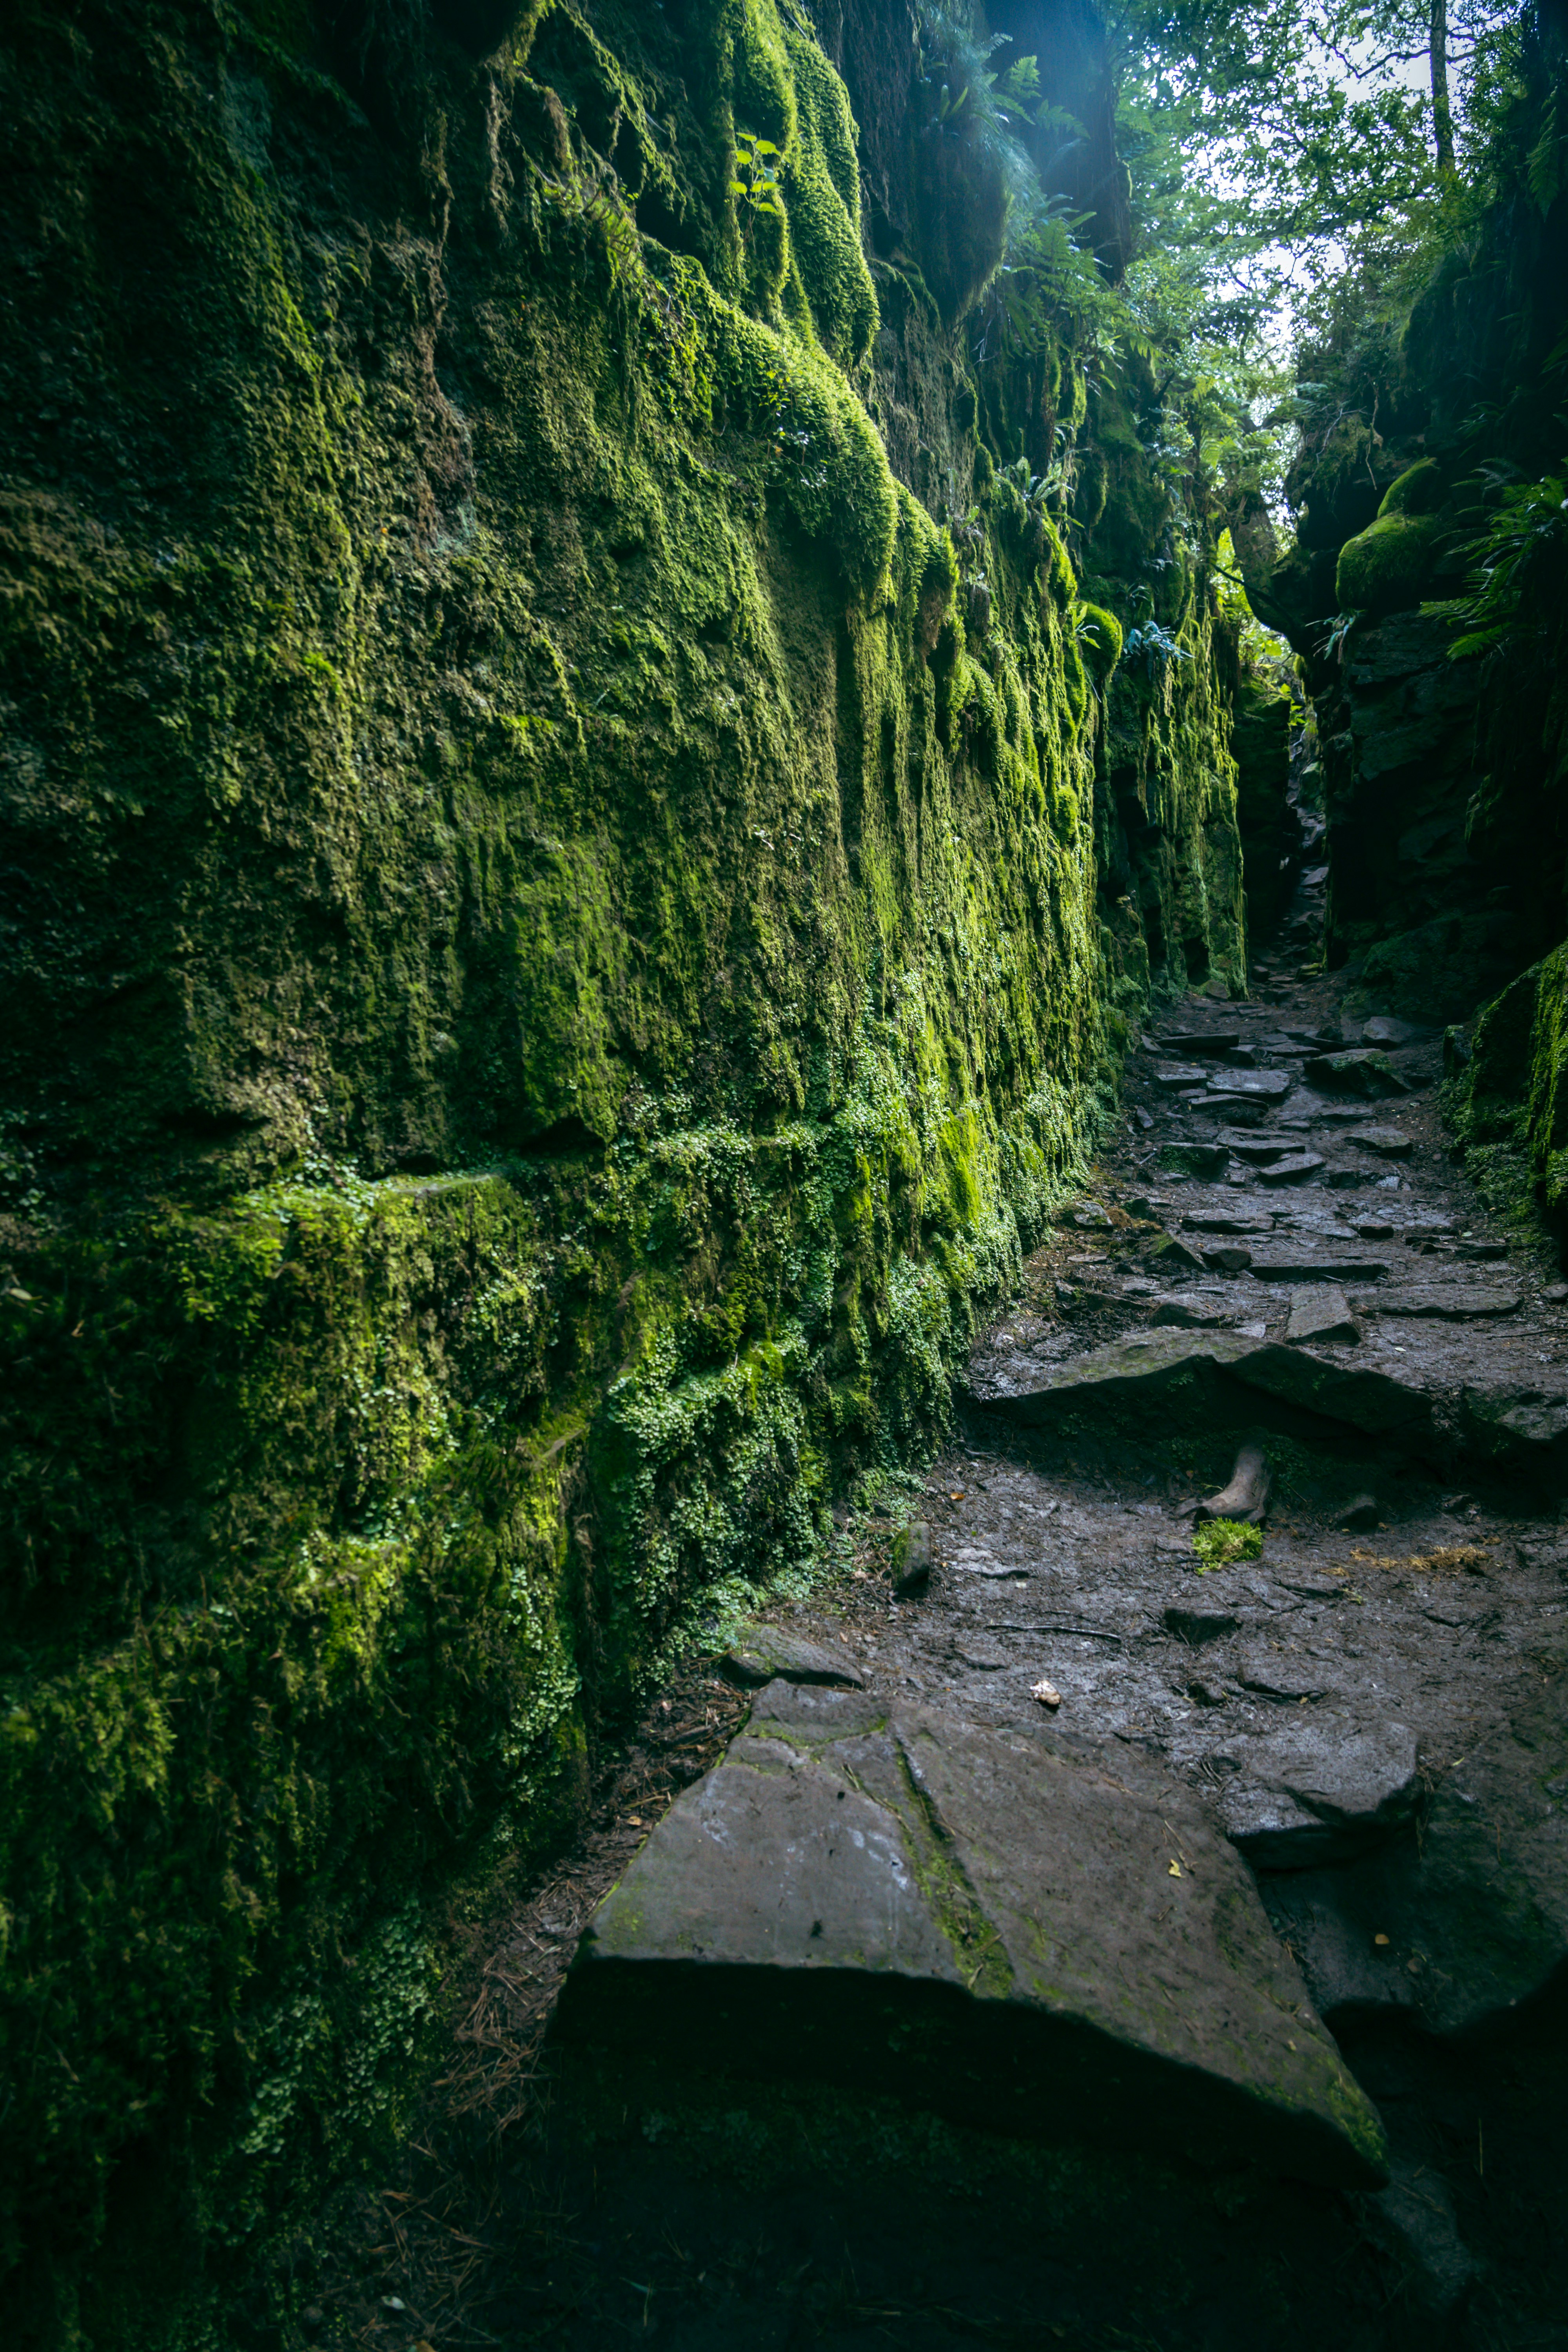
(1442, 112)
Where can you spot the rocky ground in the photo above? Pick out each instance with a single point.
(1061, 1896)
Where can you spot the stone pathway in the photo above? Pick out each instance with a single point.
(1071, 1812)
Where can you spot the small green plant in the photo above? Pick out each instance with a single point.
(757, 173)
(1222, 1543)
(1512, 559)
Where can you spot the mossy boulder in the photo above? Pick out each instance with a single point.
(1388, 566)
(1419, 490)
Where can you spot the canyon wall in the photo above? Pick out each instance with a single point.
(582, 848)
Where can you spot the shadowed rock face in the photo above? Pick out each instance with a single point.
(992, 1922)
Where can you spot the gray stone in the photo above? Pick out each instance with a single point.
(1226, 1221)
(1088, 1216)
(1237, 1109)
(1173, 1075)
(1207, 1159)
(1170, 1256)
(1191, 1378)
(764, 1652)
(1258, 1150)
(1191, 1313)
(1360, 1070)
(1228, 1258)
(1383, 1029)
(1316, 1269)
(994, 1924)
(1470, 1927)
(912, 1560)
(1260, 1085)
(1493, 1905)
(1297, 1168)
(1480, 1252)
(1360, 1513)
(1317, 1793)
(1455, 1302)
(1320, 1314)
(1388, 1143)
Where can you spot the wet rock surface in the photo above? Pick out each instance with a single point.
(1050, 1931)
(1368, 1718)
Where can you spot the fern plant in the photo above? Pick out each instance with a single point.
(1519, 555)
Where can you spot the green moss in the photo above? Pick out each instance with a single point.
(823, 181)
(1101, 637)
(1220, 1543)
(1419, 490)
(1387, 567)
(1509, 1102)
(561, 769)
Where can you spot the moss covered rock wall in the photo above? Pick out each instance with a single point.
(1430, 463)
(580, 850)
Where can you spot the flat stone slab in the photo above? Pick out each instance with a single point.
(764, 1652)
(1208, 1159)
(1456, 1302)
(1316, 1269)
(1172, 1372)
(1322, 1314)
(1226, 1221)
(1388, 1143)
(991, 1923)
(1318, 1793)
(1261, 1085)
(1257, 1151)
(1294, 1167)
(1177, 1075)
(1192, 1313)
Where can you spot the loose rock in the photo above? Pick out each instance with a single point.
(1322, 1315)
(765, 1653)
(1297, 1168)
(1388, 1143)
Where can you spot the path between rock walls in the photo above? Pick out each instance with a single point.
(1236, 1901)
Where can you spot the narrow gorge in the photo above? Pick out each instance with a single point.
(783, 1176)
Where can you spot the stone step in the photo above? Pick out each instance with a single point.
(1266, 1268)
(997, 1924)
(1157, 1380)
(1186, 1042)
(1470, 1925)
(1450, 1302)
